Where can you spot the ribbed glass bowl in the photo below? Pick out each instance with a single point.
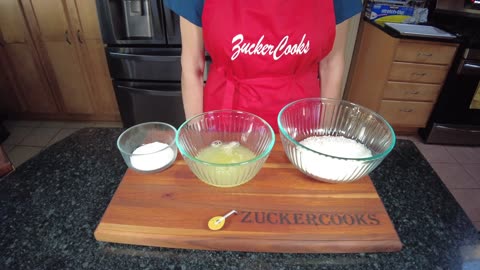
(328, 117)
(225, 126)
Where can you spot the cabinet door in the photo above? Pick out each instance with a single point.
(83, 17)
(12, 24)
(102, 84)
(8, 98)
(30, 80)
(88, 19)
(62, 53)
(51, 19)
(69, 76)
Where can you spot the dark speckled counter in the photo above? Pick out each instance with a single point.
(51, 205)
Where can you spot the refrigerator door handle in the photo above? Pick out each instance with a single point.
(150, 91)
(144, 57)
(468, 67)
(457, 129)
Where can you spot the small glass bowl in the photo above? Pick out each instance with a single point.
(247, 129)
(338, 118)
(148, 147)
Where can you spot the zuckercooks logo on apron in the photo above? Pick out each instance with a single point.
(281, 49)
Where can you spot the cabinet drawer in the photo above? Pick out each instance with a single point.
(411, 91)
(401, 113)
(407, 72)
(426, 53)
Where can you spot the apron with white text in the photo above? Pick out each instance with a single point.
(265, 53)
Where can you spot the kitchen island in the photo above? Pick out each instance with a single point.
(52, 204)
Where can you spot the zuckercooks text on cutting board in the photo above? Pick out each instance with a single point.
(317, 219)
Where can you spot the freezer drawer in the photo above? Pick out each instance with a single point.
(141, 102)
(153, 64)
(452, 134)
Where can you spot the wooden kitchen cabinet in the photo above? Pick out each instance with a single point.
(411, 91)
(63, 55)
(32, 84)
(8, 99)
(51, 19)
(398, 78)
(417, 73)
(424, 53)
(406, 113)
(68, 35)
(12, 24)
(83, 17)
(104, 95)
(72, 83)
(54, 51)
(87, 19)
(28, 89)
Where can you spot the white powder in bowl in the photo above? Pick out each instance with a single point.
(331, 168)
(148, 158)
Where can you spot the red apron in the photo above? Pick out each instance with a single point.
(265, 53)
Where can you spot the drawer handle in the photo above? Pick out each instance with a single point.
(79, 37)
(419, 74)
(413, 92)
(425, 54)
(407, 110)
(67, 39)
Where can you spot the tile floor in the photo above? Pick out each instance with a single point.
(457, 166)
(28, 138)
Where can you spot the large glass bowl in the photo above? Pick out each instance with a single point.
(225, 126)
(148, 147)
(328, 117)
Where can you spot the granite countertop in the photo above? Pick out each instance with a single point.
(52, 204)
(396, 34)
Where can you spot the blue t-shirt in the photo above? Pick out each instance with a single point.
(192, 9)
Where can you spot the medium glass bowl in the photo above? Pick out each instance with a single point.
(328, 117)
(225, 126)
(160, 153)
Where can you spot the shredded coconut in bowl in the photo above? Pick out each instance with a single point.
(327, 167)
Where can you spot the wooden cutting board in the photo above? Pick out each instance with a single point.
(280, 210)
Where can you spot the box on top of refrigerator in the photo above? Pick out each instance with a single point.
(382, 13)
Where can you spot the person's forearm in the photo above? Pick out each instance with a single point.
(331, 75)
(192, 93)
(193, 63)
(333, 65)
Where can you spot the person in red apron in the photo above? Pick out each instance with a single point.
(265, 54)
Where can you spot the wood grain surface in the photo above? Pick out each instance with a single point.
(280, 210)
(425, 52)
